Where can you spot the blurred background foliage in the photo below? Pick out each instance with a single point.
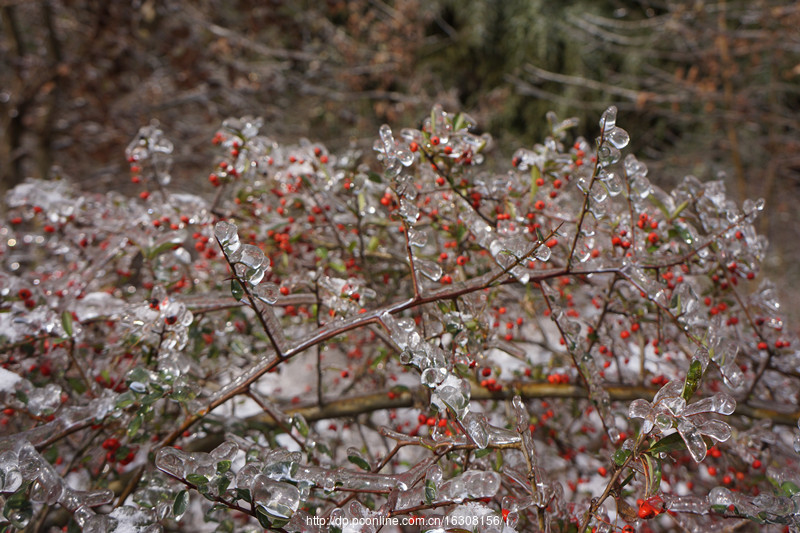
(710, 88)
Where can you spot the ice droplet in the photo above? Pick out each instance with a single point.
(267, 292)
(388, 143)
(429, 269)
(481, 484)
(417, 238)
(614, 184)
(433, 376)
(409, 210)
(10, 476)
(542, 253)
(720, 496)
(608, 155)
(617, 137)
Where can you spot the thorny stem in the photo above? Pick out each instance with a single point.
(520, 259)
(585, 206)
(253, 305)
(597, 502)
(414, 280)
(277, 420)
(446, 175)
(74, 360)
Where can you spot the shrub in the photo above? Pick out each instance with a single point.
(332, 344)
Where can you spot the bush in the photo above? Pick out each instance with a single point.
(331, 344)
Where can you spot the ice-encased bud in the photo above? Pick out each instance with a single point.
(693, 439)
(475, 426)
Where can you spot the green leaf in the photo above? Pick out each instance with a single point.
(236, 289)
(678, 209)
(692, 379)
(321, 252)
(197, 480)
(243, 494)
(66, 322)
(654, 473)
(480, 453)
(620, 456)
(790, 488)
(374, 177)
(373, 244)
(136, 423)
(263, 518)
(358, 461)
(460, 231)
(453, 328)
(18, 509)
(670, 443)
(459, 122)
(77, 385)
(338, 267)
(180, 504)
(430, 491)
(299, 422)
(223, 466)
(222, 483)
(152, 253)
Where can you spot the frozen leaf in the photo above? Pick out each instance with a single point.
(171, 461)
(357, 458)
(609, 118)
(475, 426)
(227, 236)
(279, 500)
(693, 439)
